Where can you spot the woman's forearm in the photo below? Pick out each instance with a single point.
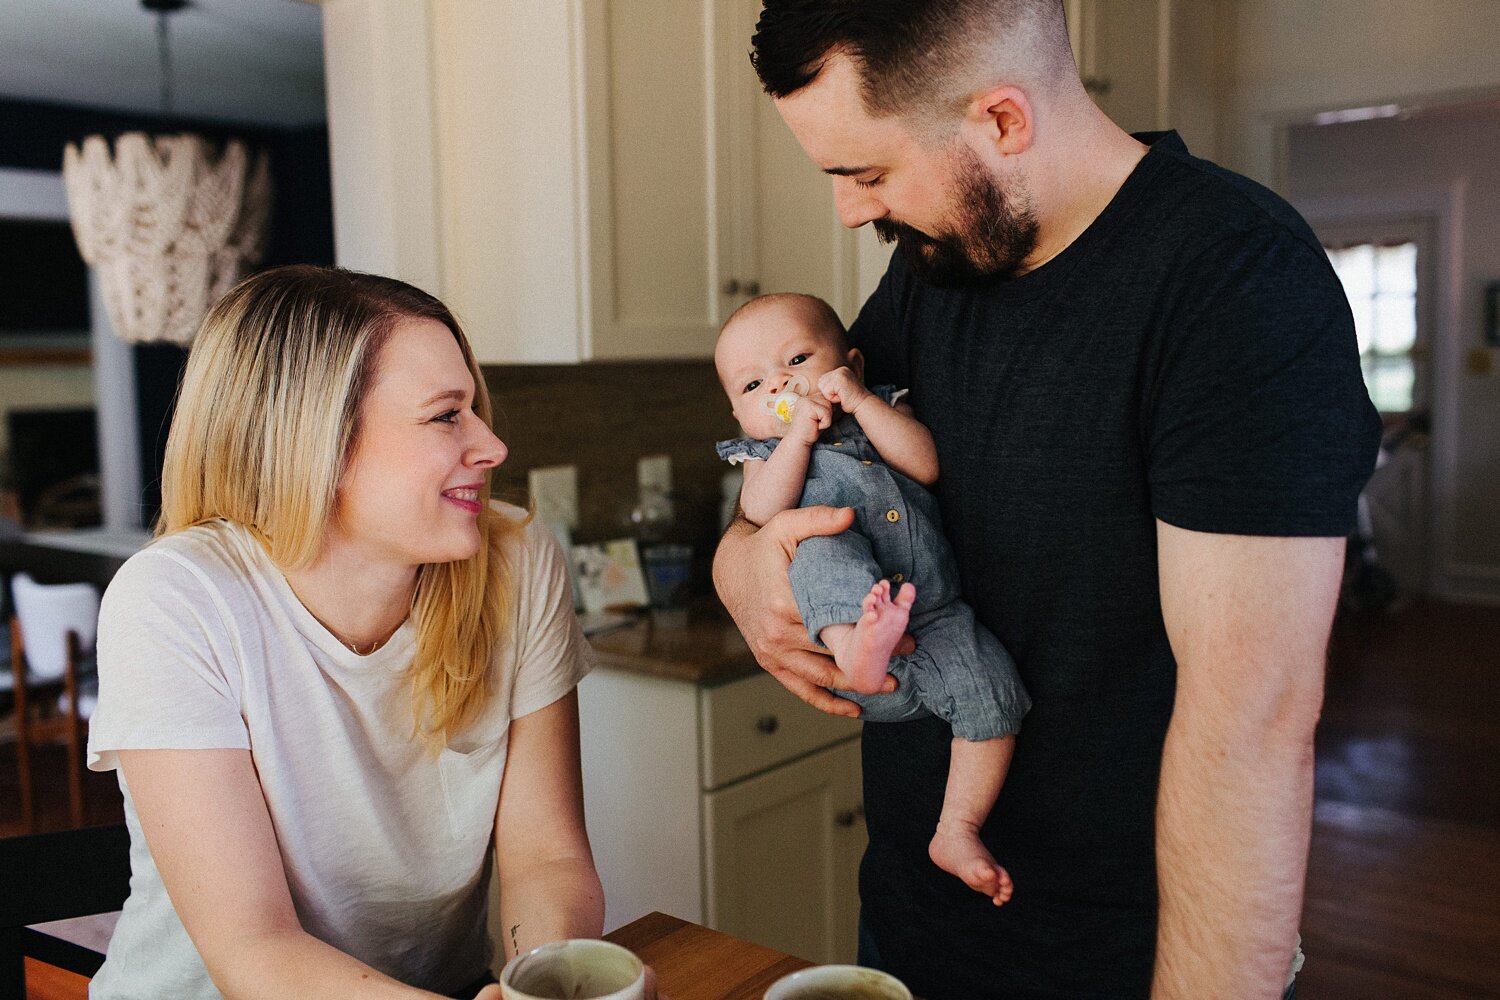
(288, 964)
(560, 899)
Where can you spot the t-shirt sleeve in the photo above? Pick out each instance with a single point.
(1260, 422)
(552, 655)
(168, 679)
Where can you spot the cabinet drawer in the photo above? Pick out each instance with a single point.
(755, 723)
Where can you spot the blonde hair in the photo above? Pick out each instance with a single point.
(265, 424)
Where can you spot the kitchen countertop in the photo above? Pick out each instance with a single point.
(699, 646)
(60, 558)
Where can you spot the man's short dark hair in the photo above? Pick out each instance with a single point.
(911, 53)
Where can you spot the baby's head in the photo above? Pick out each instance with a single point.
(768, 341)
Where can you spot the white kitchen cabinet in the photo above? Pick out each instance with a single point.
(701, 198)
(1155, 64)
(733, 805)
(783, 855)
(580, 180)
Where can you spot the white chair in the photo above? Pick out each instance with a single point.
(52, 639)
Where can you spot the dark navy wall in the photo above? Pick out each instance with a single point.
(32, 136)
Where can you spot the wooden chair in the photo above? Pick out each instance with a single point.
(52, 627)
(57, 876)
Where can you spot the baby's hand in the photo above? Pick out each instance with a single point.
(841, 386)
(809, 417)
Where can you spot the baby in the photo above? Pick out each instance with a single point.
(816, 435)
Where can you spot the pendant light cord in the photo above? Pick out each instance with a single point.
(164, 53)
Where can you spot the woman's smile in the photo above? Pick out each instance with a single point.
(466, 497)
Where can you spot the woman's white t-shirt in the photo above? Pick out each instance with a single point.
(202, 644)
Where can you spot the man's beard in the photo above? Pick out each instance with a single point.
(991, 237)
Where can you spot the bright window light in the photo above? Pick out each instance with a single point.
(1381, 282)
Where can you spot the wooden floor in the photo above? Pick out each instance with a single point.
(1403, 887)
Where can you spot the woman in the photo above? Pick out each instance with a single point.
(315, 678)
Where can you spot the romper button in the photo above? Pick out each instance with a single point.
(893, 515)
(897, 578)
(838, 444)
(864, 461)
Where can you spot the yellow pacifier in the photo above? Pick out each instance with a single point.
(785, 401)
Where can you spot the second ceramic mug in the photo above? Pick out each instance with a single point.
(838, 982)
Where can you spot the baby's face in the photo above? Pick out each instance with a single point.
(760, 352)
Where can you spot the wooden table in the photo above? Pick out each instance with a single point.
(695, 963)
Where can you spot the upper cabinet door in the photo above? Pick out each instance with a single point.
(1154, 64)
(653, 182)
(779, 231)
(580, 180)
(702, 199)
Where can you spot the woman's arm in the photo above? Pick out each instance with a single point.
(209, 832)
(776, 484)
(549, 889)
(902, 440)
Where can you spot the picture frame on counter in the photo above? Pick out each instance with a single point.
(609, 577)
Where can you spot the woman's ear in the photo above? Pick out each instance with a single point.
(856, 363)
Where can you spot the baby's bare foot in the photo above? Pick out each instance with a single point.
(865, 653)
(957, 850)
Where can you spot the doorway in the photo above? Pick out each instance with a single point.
(1386, 268)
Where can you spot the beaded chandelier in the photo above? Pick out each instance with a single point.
(168, 225)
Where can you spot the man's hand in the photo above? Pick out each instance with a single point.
(843, 387)
(750, 574)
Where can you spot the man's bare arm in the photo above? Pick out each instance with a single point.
(750, 574)
(1248, 620)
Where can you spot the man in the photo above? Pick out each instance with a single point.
(1142, 379)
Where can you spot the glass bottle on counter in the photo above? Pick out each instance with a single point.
(668, 565)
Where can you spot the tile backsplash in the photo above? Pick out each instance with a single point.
(603, 418)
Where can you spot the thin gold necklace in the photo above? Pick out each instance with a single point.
(353, 647)
(374, 644)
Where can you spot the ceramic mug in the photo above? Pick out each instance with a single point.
(576, 969)
(838, 982)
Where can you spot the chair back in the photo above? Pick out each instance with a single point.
(47, 613)
(56, 876)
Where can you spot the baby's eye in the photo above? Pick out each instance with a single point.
(752, 385)
(449, 417)
(799, 359)
(869, 183)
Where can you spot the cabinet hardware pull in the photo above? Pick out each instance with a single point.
(730, 287)
(1099, 86)
(847, 817)
(752, 288)
(768, 724)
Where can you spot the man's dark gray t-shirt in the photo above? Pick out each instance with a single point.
(1191, 359)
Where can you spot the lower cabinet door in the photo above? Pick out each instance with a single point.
(783, 852)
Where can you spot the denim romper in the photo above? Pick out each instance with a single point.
(959, 672)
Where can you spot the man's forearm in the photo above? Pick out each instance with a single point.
(1233, 818)
(1248, 618)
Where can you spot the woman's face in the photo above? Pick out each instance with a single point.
(410, 494)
